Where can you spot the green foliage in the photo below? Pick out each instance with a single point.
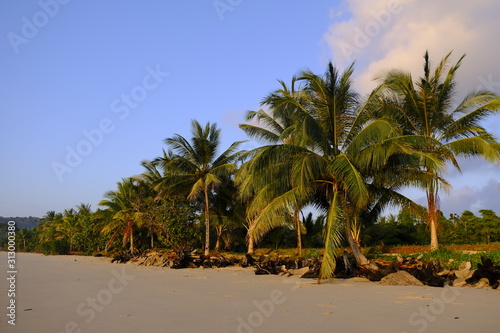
(54, 247)
(403, 229)
(181, 231)
(470, 229)
(452, 259)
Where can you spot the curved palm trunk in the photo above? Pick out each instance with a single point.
(356, 249)
(207, 223)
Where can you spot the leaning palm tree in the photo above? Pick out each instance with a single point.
(426, 108)
(332, 161)
(196, 167)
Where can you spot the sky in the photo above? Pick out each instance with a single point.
(89, 89)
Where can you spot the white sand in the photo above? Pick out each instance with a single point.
(86, 294)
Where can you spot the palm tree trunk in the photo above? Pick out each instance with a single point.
(152, 240)
(356, 249)
(432, 218)
(207, 224)
(131, 242)
(296, 219)
(251, 244)
(219, 229)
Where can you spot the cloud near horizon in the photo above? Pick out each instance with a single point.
(396, 33)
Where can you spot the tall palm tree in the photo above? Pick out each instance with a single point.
(275, 127)
(426, 108)
(198, 168)
(331, 162)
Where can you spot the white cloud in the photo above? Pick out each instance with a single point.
(390, 34)
(471, 198)
(396, 33)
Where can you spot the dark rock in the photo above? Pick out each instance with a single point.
(486, 270)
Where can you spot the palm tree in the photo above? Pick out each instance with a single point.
(124, 203)
(197, 168)
(426, 108)
(332, 161)
(273, 127)
(24, 234)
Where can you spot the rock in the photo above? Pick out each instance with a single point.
(420, 256)
(281, 269)
(464, 270)
(483, 283)
(486, 269)
(459, 282)
(443, 273)
(401, 278)
(299, 272)
(465, 265)
(400, 258)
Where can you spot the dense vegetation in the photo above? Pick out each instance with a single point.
(326, 149)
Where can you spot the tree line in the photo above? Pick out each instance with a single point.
(323, 146)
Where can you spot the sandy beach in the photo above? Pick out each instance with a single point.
(87, 294)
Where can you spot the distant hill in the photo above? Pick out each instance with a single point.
(22, 222)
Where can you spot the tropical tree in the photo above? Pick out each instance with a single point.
(333, 162)
(274, 127)
(226, 214)
(426, 108)
(196, 167)
(50, 238)
(125, 204)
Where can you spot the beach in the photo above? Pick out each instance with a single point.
(90, 294)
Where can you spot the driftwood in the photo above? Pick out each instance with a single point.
(125, 256)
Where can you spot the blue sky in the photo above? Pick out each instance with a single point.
(110, 80)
